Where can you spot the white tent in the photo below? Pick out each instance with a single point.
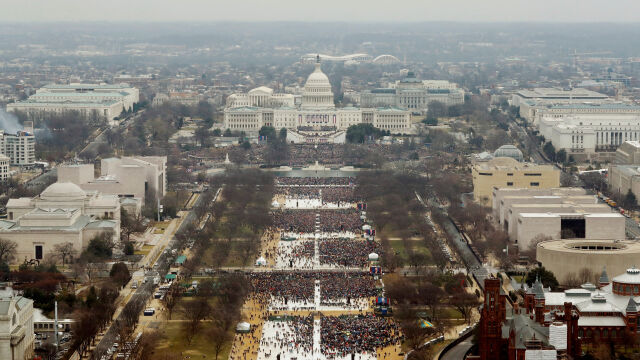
(366, 227)
(243, 327)
(261, 261)
(275, 204)
(373, 257)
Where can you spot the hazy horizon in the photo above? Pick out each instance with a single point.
(354, 11)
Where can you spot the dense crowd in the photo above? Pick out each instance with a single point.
(292, 286)
(296, 221)
(328, 194)
(340, 221)
(336, 287)
(344, 335)
(315, 181)
(347, 252)
(300, 286)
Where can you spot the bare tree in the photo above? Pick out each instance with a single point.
(219, 337)
(171, 298)
(465, 302)
(65, 250)
(195, 312)
(7, 250)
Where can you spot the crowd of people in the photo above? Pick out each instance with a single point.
(340, 221)
(293, 334)
(347, 252)
(300, 221)
(315, 181)
(328, 194)
(345, 287)
(344, 335)
(298, 287)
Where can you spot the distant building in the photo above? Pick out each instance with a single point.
(624, 178)
(16, 326)
(628, 153)
(4, 167)
(20, 147)
(529, 100)
(505, 172)
(62, 213)
(126, 177)
(589, 128)
(522, 208)
(103, 100)
(413, 94)
(316, 115)
(353, 58)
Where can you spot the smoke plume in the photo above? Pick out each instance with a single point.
(9, 122)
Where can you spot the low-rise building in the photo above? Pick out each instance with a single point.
(628, 153)
(62, 213)
(126, 177)
(16, 326)
(531, 100)
(568, 225)
(506, 172)
(102, 100)
(624, 178)
(568, 258)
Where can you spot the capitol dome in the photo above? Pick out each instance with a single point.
(317, 92)
(63, 191)
(509, 151)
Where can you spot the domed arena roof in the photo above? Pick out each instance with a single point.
(509, 151)
(632, 276)
(63, 191)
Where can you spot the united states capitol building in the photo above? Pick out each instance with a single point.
(316, 112)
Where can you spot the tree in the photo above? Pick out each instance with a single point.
(546, 277)
(65, 250)
(219, 337)
(131, 224)
(464, 302)
(7, 250)
(101, 246)
(194, 313)
(561, 156)
(120, 274)
(549, 150)
(630, 201)
(171, 298)
(269, 132)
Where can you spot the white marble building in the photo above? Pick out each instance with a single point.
(16, 326)
(604, 128)
(104, 100)
(62, 213)
(317, 112)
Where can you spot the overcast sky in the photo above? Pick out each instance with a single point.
(322, 10)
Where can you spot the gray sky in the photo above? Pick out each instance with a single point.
(322, 10)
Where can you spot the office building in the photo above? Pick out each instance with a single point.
(506, 172)
(100, 100)
(413, 94)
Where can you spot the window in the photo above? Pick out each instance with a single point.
(39, 252)
(532, 174)
(534, 184)
(509, 183)
(485, 174)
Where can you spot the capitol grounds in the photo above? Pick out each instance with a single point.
(306, 324)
